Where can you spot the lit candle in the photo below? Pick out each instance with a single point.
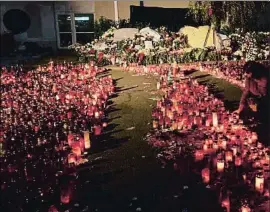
(71, 158)
(254, 136)
(206, 175)
(215, 145)
(228, 156)
(234, 149)
(245, 208)
(205, 147)
(65, 196)
(96, 114)
(259, 145)
(224, 144)
(226, 203)
(259, 182)
(158, 85)
(199, 155)
(76, 149)
(220, 165)
(215, 119)
(97, 130)
(238, 161)
(70, 139)
(87, 143)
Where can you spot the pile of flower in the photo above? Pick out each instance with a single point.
(49, 117)
(250, 45)
(174, 47)
(109, 33)
(192, 127)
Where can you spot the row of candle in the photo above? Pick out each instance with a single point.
(231, 71)
(47, 122)
(187, 105)
(235, 150)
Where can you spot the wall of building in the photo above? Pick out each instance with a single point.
(41, 29)
(106, 8)
(42, 14)
(166, 4)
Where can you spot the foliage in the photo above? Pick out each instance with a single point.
(236, 14)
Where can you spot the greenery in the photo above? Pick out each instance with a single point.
(248, 15)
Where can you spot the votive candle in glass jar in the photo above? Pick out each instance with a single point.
(87, 143)
(228, 156)
(206, 175)
(245, 208)
(220, 165)
(199, 155)
(238, 161)
(259, 182)
(234, 149)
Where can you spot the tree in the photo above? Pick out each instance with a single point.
(236, 14)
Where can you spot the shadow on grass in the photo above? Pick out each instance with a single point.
(189, 72)
(201, 76)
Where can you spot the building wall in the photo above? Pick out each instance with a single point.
(106, 8)
(43, 24)
(166, 4)
(41, 29)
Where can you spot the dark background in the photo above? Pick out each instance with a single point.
(173, 18)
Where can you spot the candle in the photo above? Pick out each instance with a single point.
(254, 136)
(87, 143)
(70, 139)
(206, 175)
(158, 85)
(245, 208)
(205, 147)
(97, 130)
(259, 182)
(234, 149)
(65, 196)
(238, 161)
(215, 119)
(226, 203)
(244, 177)
(228, 156)
(96, 114)
(71, 158)
(224, 144)
(76, 149)
(215, 145)
(220, 165)
(199, 155)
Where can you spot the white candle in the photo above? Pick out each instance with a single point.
(245, 208)
(220, 165)
(205, 147)
(234, 149)
(87, 143)
(259, 183)
(158, 85)
(215, 119)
